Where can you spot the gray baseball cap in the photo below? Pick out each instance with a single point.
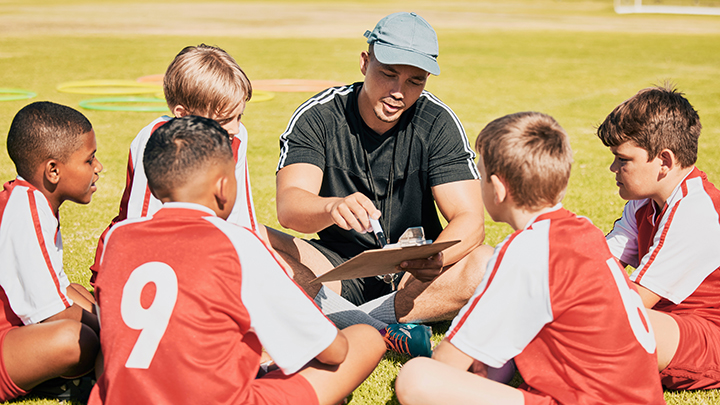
(405, 39)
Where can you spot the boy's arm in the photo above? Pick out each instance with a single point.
(447, 353)
(82, 309)
(648, 297)
(336, 352)
(273, 320)
(77, 313)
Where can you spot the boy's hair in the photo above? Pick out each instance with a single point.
(207, 81)
(181, 147)
(531, 152)
(656, 118)
(44, 130)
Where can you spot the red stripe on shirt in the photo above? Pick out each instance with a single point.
(148, 193)
(248, 197)
(499, 259)
(235, 144)
(711, 191)
(662, 238)
(41, 240)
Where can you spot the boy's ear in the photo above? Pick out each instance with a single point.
(221, 191)
(500, 190)
(51, 171)
(667, 161)
(180, 111)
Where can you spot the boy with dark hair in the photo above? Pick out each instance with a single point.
(553, 298)
(189, 300)
(47, 325)
(669, 231)
(205, 81)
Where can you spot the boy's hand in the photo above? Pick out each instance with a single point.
(424, 270)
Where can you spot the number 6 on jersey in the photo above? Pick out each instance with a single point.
(153, 320)
(639, 322)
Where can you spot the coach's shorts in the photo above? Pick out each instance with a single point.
(696, 364)
(278, 388)
(358, 290)
(8, 389)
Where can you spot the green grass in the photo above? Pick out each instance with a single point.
(578, 75)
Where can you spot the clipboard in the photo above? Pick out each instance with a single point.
(381, 261)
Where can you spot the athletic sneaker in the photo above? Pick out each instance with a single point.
(408, 338)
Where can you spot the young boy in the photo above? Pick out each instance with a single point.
(47, 328)
(187, 300)
(669, 231)
(553, 297)
(204, 81)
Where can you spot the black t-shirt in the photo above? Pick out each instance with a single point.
(426, 148)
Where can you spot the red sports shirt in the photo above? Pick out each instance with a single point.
(33, 285)
(555, 299)
(187, 301)
(675, 251)
(137, 201)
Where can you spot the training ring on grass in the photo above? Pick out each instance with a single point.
(15, 94)
(111, 104)
(107, 87)
(261, 95)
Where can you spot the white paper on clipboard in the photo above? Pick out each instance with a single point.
(381, 261)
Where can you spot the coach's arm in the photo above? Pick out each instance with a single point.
(460, 202)
(300, 208)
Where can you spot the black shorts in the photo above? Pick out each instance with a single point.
(357, 290)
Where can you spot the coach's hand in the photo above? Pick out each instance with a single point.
(353, 212)
(424, 269)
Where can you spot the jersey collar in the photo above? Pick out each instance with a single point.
(188, 206)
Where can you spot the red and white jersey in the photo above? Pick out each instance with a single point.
(33, 283)
(137, 200)
(556, 300)
(675, 250)
(187, 302)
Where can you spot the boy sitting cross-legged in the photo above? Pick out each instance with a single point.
(189, 300)
(669, 231)
(206, 81)
(553, 297)
(47, 325)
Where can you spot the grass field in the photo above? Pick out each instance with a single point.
(575, 60)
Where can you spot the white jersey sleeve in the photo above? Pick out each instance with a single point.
(288, 323)
(512, 303)
(684, 249)
(623, 239)
(243, 213)
(31, 249)
(141, 202)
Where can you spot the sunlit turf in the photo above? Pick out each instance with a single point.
(576, 76)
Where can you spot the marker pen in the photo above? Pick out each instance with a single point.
(377, 230)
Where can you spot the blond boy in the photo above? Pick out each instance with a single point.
(553, 297)
(669, 231)
(204, 81)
